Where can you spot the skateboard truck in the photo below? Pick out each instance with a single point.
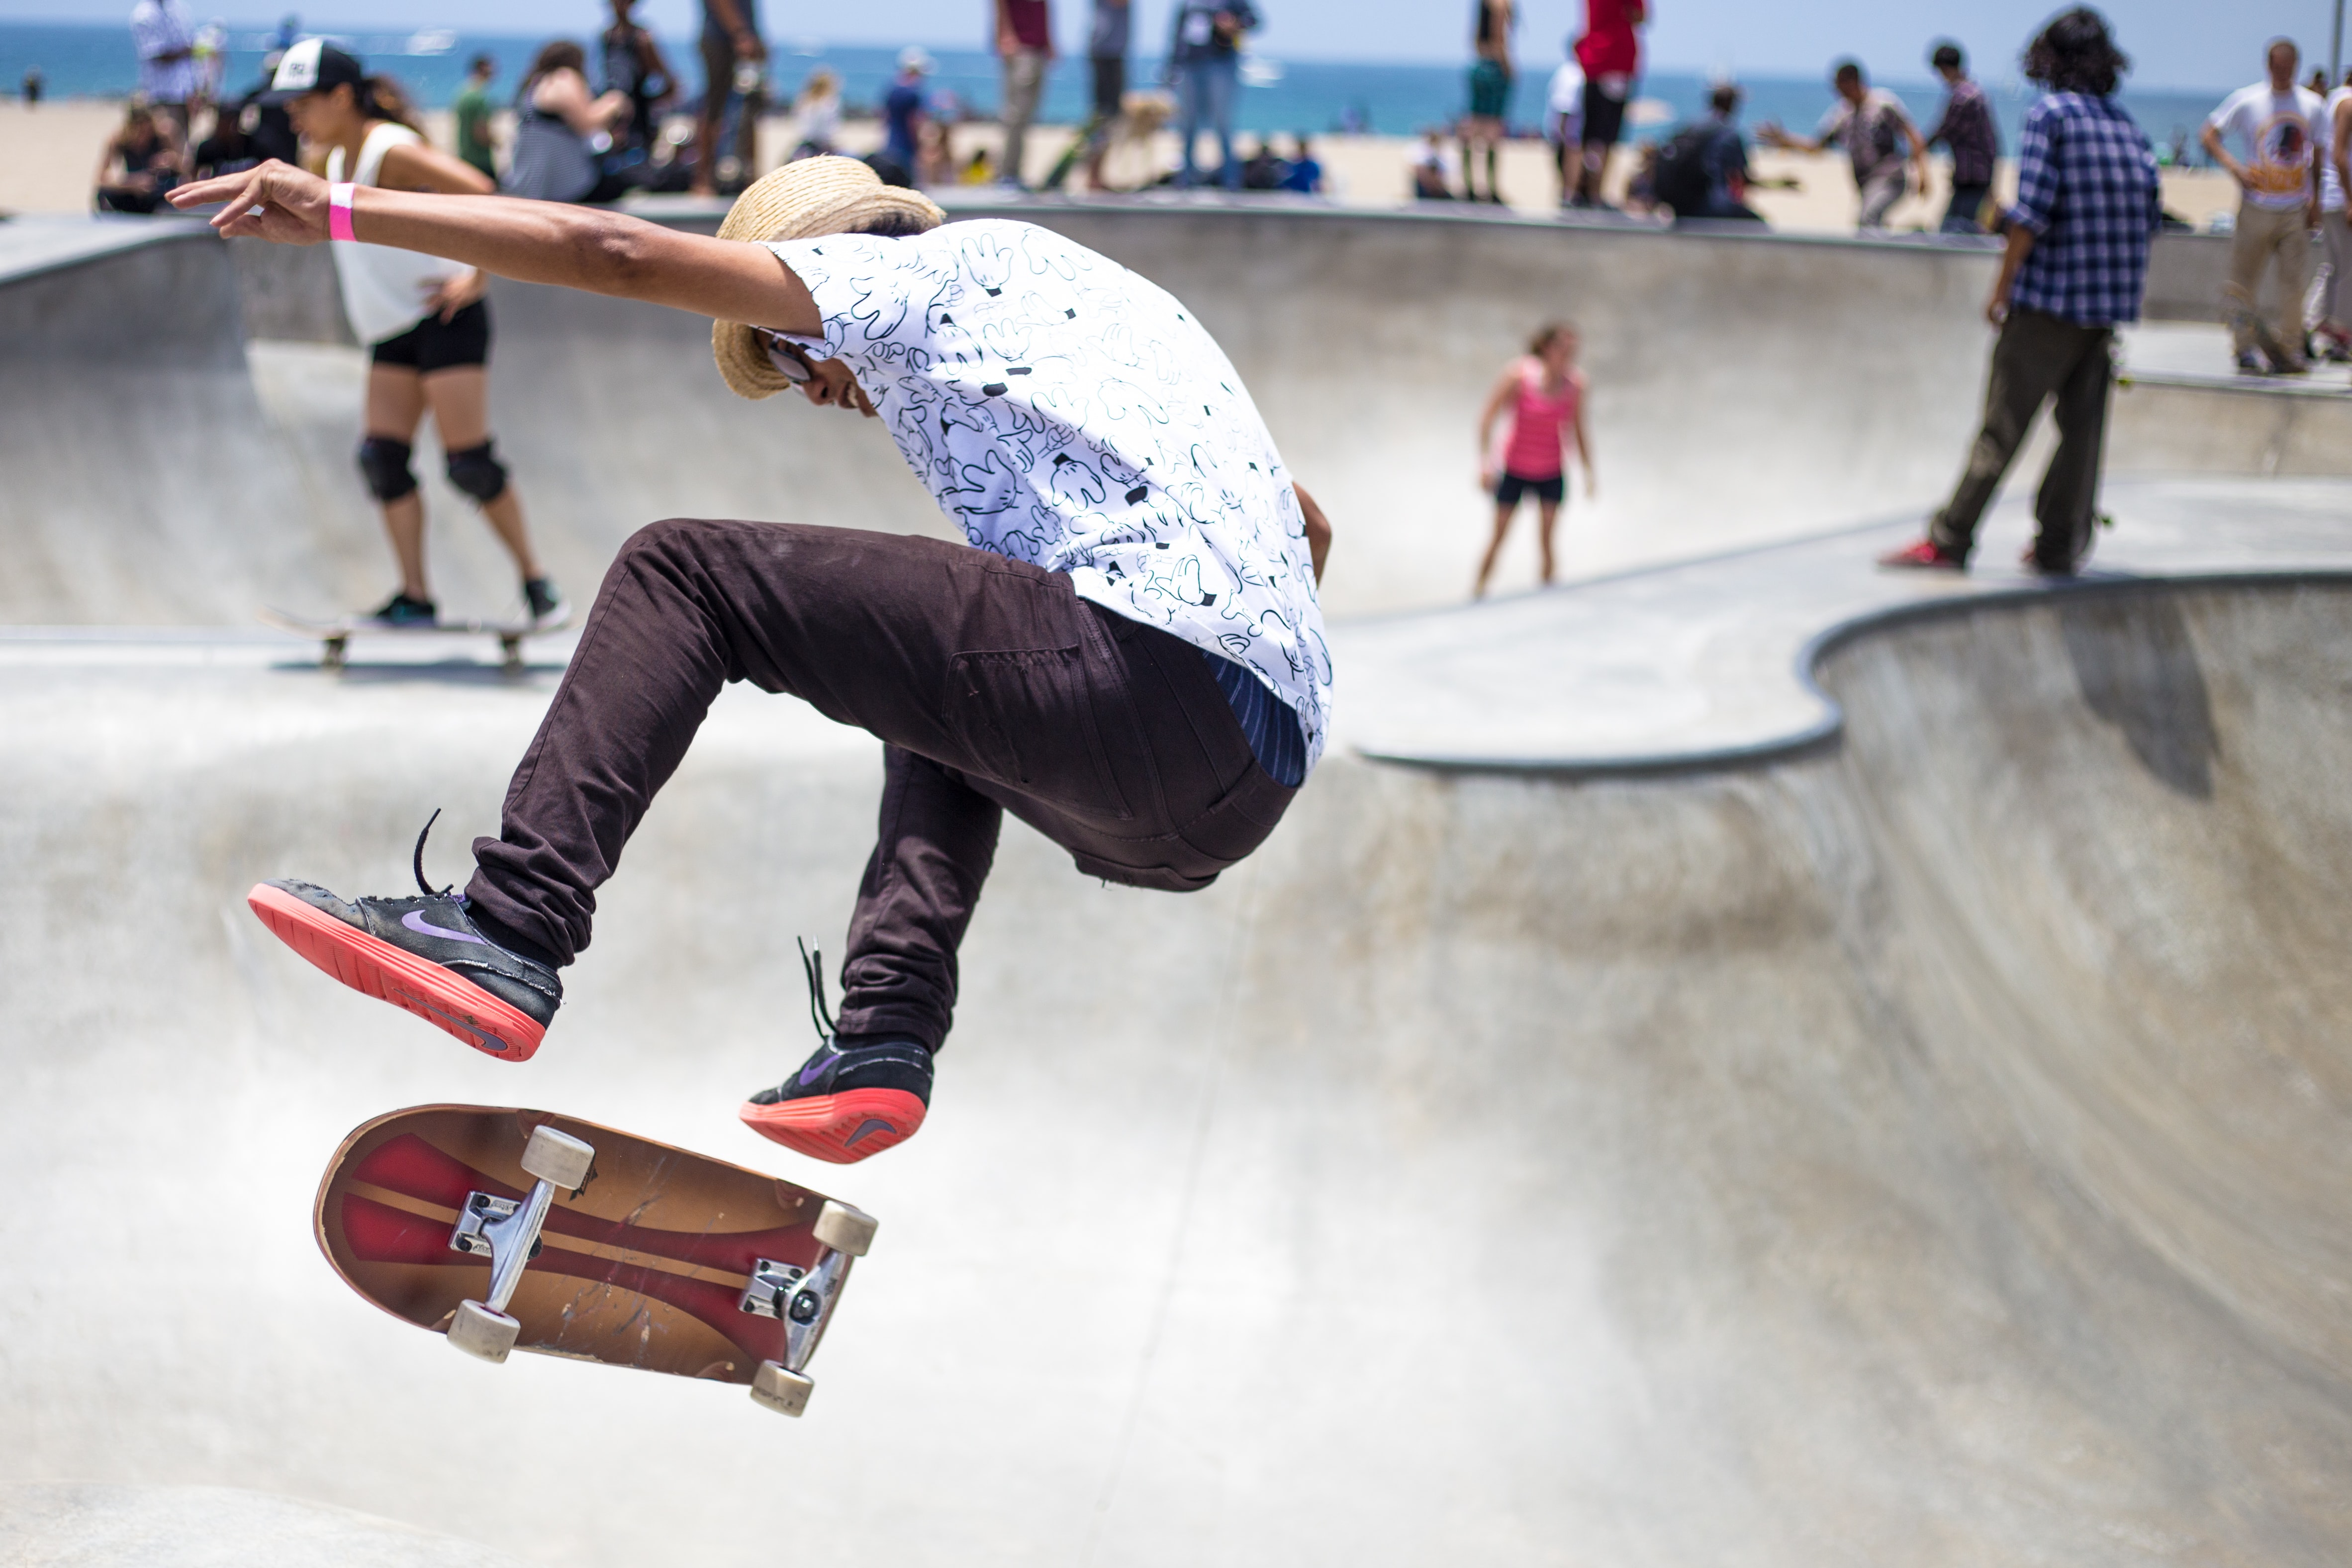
(508, 1231)
(802, 1300)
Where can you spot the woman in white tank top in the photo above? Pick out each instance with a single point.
(424, 321)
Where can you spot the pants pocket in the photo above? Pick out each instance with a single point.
(1024, 720)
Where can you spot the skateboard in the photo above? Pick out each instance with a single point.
(334, 637)
(508, 1230)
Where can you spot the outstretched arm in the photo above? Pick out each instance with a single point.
(530, 242)
(1770, 134)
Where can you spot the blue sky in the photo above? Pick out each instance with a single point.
(2211, 43)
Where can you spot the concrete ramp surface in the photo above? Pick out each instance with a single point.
(1640, 1123)
(92, 1526)
(1929, 1151)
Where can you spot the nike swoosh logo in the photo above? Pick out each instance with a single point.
(415, 920)
(495, 1046)
(873, 1124)
(811, 1074)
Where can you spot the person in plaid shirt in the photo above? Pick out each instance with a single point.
(2088, 202)
(1968, 129)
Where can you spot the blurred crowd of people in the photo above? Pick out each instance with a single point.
(592, 122)
(595, 121)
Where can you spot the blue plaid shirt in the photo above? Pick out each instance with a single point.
(2087, 191)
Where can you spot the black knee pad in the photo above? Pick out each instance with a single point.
(477, 472)
(385, 463)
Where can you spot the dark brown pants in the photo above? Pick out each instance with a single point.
(2039, 356)
(992, 684)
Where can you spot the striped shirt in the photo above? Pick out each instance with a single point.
(2087, 192)
(1275, 737)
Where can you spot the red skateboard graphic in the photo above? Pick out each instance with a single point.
(511, 1229)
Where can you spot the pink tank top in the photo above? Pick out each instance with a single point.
(1537, 421)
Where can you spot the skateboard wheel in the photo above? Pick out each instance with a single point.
(558, 1159)
(785, 1393)
(480, 1332)
(846, 1229)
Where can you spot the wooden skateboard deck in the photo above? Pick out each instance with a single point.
(334, 637)
(643, 1255)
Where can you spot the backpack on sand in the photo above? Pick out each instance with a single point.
(1681, 179)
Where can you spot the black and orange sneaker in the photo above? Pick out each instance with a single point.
(423, 954)
(852, 1099)
(858, 1096)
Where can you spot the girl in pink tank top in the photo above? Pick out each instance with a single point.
(1545, 395)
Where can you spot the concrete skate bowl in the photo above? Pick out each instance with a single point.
(1930, 1149)
(177, 418)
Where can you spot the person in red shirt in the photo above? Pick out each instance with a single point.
(1025, 42)
(1610, 53)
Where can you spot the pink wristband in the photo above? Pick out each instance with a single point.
(339, 211)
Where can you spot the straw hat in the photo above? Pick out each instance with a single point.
(826, 196)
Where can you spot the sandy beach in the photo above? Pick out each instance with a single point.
(48, 156)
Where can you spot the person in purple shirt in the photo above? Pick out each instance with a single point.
(2087, 204)
(1965, 128)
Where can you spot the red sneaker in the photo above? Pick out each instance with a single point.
(847, 1103)
(1924, 556)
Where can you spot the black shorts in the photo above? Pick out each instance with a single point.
(1604, 117)
(1511, 486)
(434, 344)
(1110, 85)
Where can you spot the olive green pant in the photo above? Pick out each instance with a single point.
(2039, 357)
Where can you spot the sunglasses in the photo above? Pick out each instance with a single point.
(790, 363)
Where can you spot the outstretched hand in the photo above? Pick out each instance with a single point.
(275, 202)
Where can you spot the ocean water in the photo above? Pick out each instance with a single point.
(1285, 96)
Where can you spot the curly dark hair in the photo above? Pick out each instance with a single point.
(2075, 53)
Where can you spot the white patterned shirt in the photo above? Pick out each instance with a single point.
(1069, 412)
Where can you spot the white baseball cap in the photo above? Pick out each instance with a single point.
(313, 65)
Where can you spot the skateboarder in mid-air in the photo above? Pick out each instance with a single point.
(1131, 660)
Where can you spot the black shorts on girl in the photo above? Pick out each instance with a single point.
(434, 344)
(1511, 486)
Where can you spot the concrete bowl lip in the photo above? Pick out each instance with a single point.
(110, 235)
(1268, 204)
(1828, 727)
(2235, 385)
